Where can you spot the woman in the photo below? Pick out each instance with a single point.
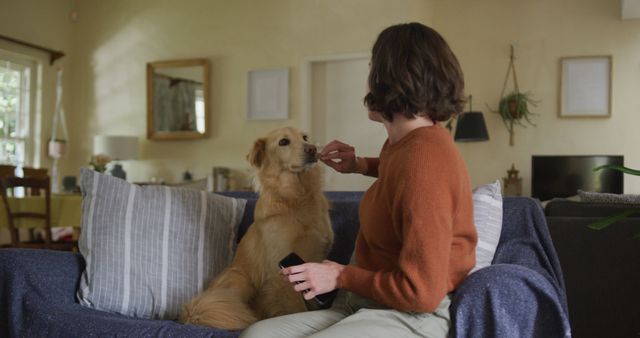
(417, 238)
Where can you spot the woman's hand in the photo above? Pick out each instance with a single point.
(342, 158)
(318, 278)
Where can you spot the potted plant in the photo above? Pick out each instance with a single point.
(57, 147)
(514, 108)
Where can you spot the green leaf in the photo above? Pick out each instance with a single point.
(637, 236)
(618, 168)
(603, 223)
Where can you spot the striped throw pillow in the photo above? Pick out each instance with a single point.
(150, 249)
(487, 215)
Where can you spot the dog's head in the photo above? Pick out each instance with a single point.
(283, 149)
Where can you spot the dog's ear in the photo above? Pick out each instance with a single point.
(256, 155)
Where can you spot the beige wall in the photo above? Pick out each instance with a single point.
(111, 42)
(480, 33)
(114, 39)
(43, 23)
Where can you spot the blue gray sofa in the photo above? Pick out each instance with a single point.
(521, 295)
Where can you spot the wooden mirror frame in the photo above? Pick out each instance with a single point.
(152, 134)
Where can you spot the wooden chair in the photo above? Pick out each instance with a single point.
(41, 184)
(7, 170)
(34, 172)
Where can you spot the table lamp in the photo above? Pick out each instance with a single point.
(118, 148)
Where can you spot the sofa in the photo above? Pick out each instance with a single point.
(521, 294)
(601, 267)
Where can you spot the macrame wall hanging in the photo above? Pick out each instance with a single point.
(514, 107)
(58, 143)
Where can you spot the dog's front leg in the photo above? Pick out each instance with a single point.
(277, 298)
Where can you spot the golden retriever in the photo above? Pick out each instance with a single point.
(291, 215)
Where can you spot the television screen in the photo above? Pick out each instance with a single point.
(562, 176)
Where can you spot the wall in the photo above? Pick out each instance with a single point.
(45, 23)
(110, 43)
(114, 39)
(480, 33)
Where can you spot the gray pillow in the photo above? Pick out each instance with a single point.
(487, 215)
(149, 250)
(598, 197)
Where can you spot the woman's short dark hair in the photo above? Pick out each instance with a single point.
(413, 71)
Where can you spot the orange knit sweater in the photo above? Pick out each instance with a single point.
(417, 237)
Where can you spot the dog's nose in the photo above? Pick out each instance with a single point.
(310, 149)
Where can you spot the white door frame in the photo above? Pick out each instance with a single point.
(306, 79)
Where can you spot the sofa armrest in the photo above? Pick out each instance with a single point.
(37, 299)
(506, 300)
(54, 275)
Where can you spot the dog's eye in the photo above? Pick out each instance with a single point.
(284, 142)
(305, 138)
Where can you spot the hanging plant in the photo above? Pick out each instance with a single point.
(515, 107)
(58, 144)
(57, 148)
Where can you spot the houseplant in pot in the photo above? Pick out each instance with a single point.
(514, 108)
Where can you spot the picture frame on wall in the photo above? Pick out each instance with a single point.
(268, 94)
(585, 86)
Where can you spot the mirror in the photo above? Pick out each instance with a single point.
(178, 99)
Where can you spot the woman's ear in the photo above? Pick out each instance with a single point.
(256, 155)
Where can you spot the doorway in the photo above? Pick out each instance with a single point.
(337, 111)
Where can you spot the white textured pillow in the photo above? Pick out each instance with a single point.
(487, 215)
(148, 250)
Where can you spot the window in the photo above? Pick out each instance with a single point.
(16, 104)
(200, 110)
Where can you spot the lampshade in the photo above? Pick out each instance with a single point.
(116, 147)
(471, 127)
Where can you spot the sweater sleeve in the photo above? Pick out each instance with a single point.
(372, 166)
(423, 210)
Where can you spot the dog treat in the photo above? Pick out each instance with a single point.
(318, 150)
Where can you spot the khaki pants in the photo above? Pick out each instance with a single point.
(355, 316)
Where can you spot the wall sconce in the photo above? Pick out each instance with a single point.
(471, 127)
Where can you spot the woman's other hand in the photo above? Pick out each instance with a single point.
(342, 158)
(318, 278)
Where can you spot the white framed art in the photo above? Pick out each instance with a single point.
(585, 86)
(268, 94)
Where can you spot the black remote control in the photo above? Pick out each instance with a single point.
(293, 259)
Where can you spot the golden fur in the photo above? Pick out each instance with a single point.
(291, 215)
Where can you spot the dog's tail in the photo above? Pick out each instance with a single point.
(224, 305)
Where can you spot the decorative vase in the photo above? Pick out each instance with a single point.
(117, 171)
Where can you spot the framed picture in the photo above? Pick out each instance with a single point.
(585, 86)
(268, 94)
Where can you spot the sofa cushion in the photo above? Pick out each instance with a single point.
(487, 215)
(600, 197)
(149, 249)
